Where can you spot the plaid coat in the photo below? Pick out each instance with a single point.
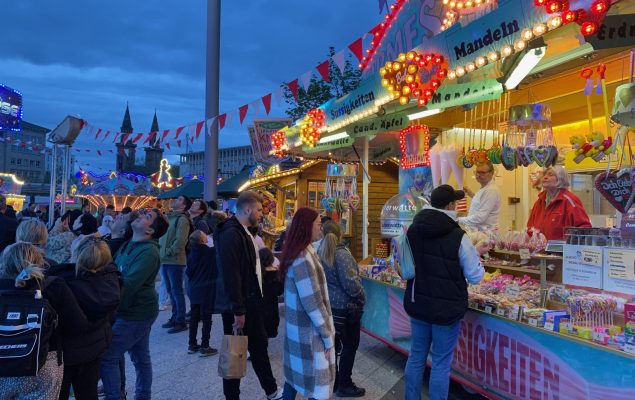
(309, 328)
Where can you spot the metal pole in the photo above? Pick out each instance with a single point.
(53, 186)
(65, 175)
(211, 97)
(366, 182)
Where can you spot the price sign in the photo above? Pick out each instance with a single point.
(549, 326)
(566, 326)
(629, 348)
(525, 255)
(512, 291)
(488, 309)
(533, 321)
(500, 312)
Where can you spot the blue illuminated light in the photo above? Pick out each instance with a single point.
(10, 109)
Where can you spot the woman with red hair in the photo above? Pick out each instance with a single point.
(308, 318)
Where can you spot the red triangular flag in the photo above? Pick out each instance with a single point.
(199, 127)
(375, 31)
(266, 101)
(99, 152)
(293, 86)
(98, 133)
(178, 132)
(165, 133)
(242, 112)
(78, 150)
(137, 138)
(323, 69)
(192, 139)
(106, 136)
(150, 137)
(116, 137)
(167, 145)
(178, 142)
(221, 120)
(110, 151)
(356, 48)
(125, 137)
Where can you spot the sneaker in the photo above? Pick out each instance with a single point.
(193, 348)
(169, 324)
(178, 328)
(277, 395)
(208, 351)
(350, 391)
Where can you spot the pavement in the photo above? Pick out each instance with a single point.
(178, 375)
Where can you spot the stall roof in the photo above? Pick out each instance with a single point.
(229, 188)
(192, 189)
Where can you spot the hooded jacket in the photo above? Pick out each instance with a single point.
(174, 242)
(98, 295)
(438, 293)
(236, 260)
(201, 273)
(139, 264)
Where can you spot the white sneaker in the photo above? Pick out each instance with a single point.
(277, 395)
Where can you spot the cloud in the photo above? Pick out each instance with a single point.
(89, 58)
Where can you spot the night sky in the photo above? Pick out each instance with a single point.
(88, 58)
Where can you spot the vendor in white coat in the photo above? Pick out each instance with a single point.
(486, 203)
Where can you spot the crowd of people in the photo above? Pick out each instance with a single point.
(97, 274)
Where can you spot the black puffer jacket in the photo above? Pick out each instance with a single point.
(98, 295)
(201, 273)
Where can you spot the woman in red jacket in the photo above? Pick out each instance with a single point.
(556, 207)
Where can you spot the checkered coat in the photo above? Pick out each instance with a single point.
(309, 328)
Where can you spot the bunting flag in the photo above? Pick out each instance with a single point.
(167, 145)
(150, 137)
(306, 79)
(255, 108)
(266, 101)
(210, 126)
(221, 121)
(178, 143)
(99, 152)
(357, 49)
(116, 137)
(199, 126)
(375, 31)
(382, 4)
(230, 117)
(323, 69)
(125, 137)
(242, 112)
(178, 132)
(106, 136)
(339, 59)
(293, 87)
(192, 139)
(137, 138)
(165, 134)
(98, 133)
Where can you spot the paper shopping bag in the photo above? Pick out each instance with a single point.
(232, 361)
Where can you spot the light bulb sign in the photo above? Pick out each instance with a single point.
(10, 108)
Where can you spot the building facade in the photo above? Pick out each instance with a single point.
(231, 161)
(22, 159)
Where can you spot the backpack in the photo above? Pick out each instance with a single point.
(189, 232)
(402, 255)
(27, 323)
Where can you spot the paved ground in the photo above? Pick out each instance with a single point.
(178, 375)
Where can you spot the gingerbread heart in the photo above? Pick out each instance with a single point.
(616, 188)
(325, 204)
(353, 201)
(553, 156)
(508, 158)
(521, 157)
(541, 155)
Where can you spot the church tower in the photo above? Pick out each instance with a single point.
(126, 152)
(154, 151)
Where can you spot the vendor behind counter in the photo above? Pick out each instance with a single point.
(556, 206)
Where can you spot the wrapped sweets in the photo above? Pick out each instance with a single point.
(591, 311)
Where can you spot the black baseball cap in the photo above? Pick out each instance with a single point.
(445, 194)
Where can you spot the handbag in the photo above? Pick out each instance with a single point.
(402, 256)
(232, 360)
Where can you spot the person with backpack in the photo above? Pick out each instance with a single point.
(96, 283)
(198, 213)
(347, 297)
(26, 292)
(201, 272)
(173, 261)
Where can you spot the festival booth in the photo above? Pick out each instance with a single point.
(525, 85)
(11, 188)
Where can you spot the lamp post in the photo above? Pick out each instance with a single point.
(212, 72)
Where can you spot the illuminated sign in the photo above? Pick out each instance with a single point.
(10, 108)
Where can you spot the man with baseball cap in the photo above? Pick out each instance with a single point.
(436, 299)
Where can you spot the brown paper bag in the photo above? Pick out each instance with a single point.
(232, 360)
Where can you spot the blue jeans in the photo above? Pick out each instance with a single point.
(289, 392)
(132, 337)
(443, 340)
(173, 276)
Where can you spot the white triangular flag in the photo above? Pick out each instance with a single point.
(306, 79)
(230, 116)
(278, 96)
(210, 125)
(339, 59)
(255, 108)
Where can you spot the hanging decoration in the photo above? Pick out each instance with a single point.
(163, 179)
(379, 32)
(414, 142)
(340, 190)
(312, 126)
(279, 143)
(588, 19)
(414, 75)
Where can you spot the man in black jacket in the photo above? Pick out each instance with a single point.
(8, 225)
(436, 299)
(239, 267)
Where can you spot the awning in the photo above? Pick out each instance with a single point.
(192, 189)
(229, 188)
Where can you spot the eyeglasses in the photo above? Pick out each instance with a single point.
(483, 172)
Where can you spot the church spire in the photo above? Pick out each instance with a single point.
(126, 125)
(155, 128)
